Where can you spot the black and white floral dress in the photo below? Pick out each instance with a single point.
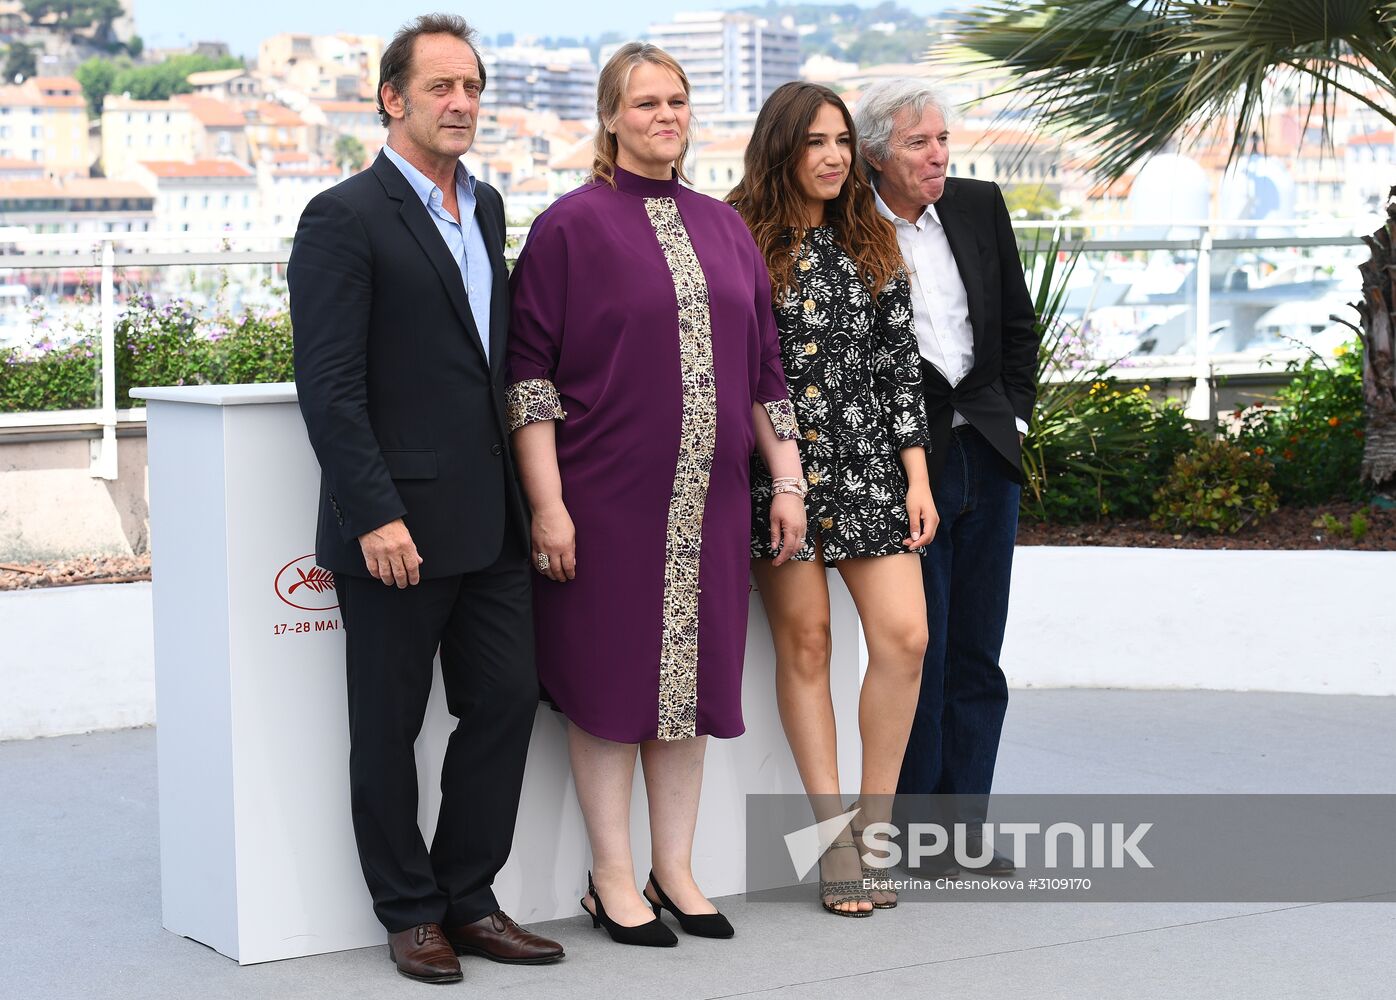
(854, 373)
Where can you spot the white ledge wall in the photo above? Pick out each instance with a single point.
(80, 658)
(256, 848)
(1310, 622)
(74, 659)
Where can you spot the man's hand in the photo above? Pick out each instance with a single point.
(391, 555)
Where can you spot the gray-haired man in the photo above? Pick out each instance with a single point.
(977, 335)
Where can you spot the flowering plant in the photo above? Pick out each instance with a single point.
(1314, 435)
(156, 344)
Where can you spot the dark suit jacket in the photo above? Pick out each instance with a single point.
(1003, 382)
(403, 409)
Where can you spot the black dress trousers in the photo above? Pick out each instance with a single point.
(482, 624)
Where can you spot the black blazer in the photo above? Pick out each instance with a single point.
(403, 409)
(1003, 382)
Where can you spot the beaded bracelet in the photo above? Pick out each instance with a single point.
(788, 484)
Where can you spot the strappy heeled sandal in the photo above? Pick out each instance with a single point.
(870, 874)
(873, 879)
(838, 891)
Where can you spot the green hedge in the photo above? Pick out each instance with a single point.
(1096, 449)
(1104, 453)
(155, 345)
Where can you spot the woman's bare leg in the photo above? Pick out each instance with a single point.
(796, 598)
(604, 772)
(887, 591)
(673, 782)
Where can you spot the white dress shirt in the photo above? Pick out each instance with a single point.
(463, 238)
(939, 304)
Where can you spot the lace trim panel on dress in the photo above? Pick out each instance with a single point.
(678, 654)
(782, 414)
(532, 400)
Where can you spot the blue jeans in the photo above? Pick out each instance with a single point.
(955, 737)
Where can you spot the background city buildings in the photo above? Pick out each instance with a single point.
(271, 133)
(733, 61)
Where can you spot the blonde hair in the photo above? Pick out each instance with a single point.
(610, 92)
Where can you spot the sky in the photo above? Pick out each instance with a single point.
(243, 23)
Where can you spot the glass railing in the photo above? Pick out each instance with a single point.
(84, 317)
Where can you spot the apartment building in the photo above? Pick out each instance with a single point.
(286, 182)
(44, 119)
(219, 128)
(331, 67)
(202, 196)
(331, 119)
(134, 130)
(718, 166)
(733, 61)
(226, 84)
(85, 205)
(561, 81)
(274, 128)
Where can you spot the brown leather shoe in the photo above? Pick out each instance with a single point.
(498, 938)
(423, 953)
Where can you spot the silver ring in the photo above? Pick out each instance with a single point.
(543, 562)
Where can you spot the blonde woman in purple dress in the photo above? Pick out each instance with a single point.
(644, 367)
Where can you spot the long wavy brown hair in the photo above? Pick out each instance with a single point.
(771, 203)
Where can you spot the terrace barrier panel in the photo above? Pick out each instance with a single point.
(257, 855)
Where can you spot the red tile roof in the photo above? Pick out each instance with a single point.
(53, 84)
(211, 112)
(579, 157)
(1385, 138)
(348, 107)
(198, 168)
(269, 113)
(87, 187)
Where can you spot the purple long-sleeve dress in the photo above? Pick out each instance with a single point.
(641, 323)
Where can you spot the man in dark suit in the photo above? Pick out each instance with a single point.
(399, 301)
(978, 339)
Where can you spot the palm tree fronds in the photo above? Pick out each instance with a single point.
(1131, 76)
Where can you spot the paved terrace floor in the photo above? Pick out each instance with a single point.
(80, 908)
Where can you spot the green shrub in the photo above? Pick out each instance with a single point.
(159, 345)
(1092, 450)
(1218, 486)
(255, 348)
(1314, 436)
(49, 377)
(155, 345)
(1105, 452)
(1356, 526)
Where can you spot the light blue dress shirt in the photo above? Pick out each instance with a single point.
(463, 239)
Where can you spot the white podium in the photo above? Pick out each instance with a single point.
(257, 856)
